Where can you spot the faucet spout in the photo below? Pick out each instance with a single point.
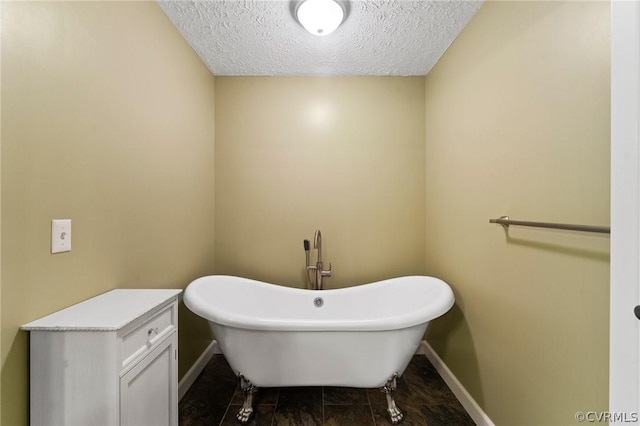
(317, 244)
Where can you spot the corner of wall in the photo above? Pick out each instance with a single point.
(1, 353)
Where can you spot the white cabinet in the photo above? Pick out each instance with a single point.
(145, 398)
(108, 361)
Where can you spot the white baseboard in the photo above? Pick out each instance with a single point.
(467, 401)
(195, 370)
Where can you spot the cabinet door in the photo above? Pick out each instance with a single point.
(149, 391)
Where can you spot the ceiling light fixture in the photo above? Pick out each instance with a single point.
(320, 17)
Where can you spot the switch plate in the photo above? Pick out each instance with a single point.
(60, 235)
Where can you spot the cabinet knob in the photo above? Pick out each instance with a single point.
(153, 332)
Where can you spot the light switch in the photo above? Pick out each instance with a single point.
(60, 235)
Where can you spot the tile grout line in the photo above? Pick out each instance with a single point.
(373, 417)
(323, 405)
(224, 416)
(275, 408)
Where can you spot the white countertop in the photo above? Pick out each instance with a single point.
(107, 312)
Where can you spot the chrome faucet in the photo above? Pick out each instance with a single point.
(320, 272)
(317, 244)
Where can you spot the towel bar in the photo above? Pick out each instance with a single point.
(506, 221)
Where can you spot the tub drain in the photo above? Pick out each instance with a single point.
(318, 302)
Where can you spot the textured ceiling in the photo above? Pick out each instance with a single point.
(261, 37)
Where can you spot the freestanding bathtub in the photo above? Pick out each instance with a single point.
(275, 336)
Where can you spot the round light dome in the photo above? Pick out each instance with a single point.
(320, 17)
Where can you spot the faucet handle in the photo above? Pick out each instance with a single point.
(326, 273)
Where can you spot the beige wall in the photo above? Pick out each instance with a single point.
(102, 126)
(107, 120)
(345, 155)
(517, 122)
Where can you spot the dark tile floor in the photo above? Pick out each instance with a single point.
(425, 399)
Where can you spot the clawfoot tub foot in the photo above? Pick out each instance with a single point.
(245, 414)
(395, 415)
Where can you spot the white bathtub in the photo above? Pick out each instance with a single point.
(279, 336)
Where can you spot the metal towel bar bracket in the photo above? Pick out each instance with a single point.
(506, 221)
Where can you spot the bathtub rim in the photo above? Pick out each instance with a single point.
(229, 318)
